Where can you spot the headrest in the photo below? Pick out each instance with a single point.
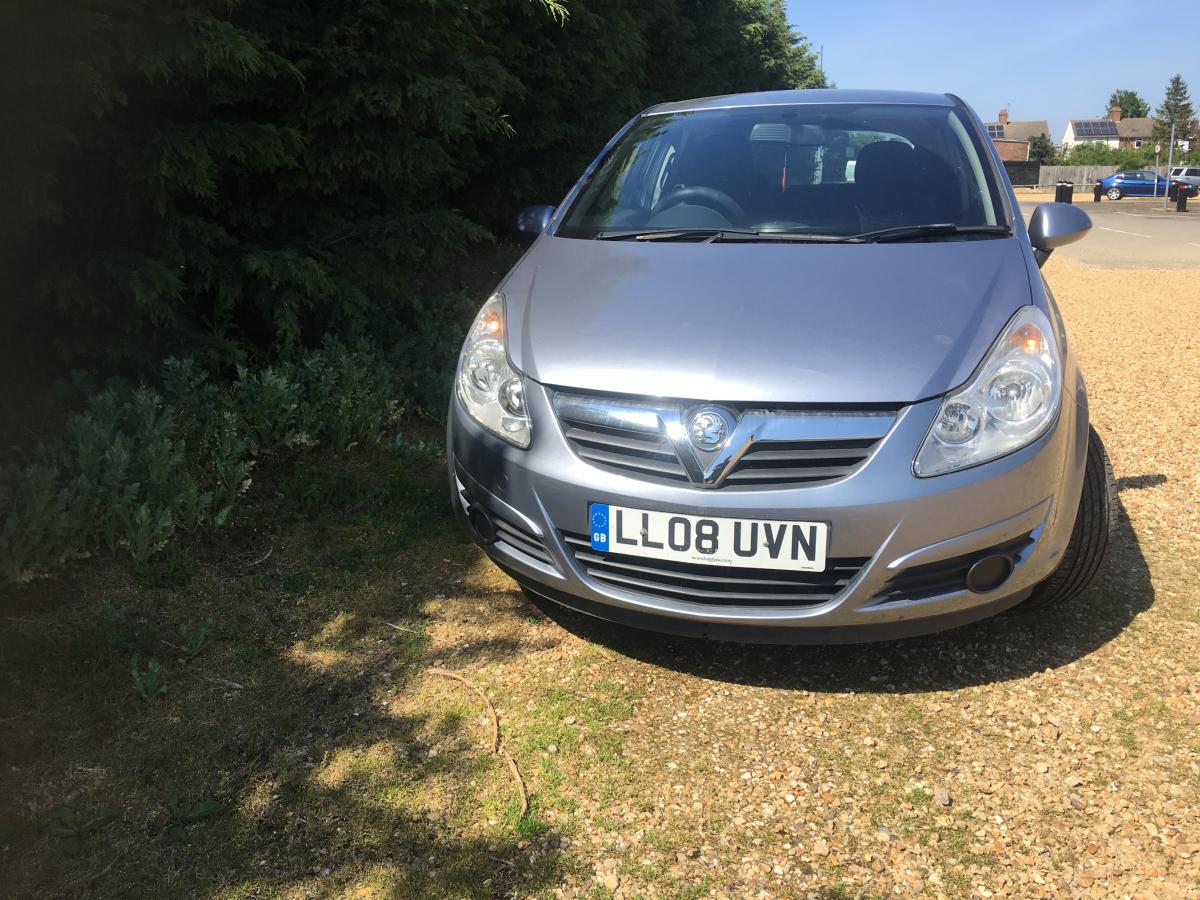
(883, 163)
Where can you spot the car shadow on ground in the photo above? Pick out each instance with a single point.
(1010, 646)
(284, 754)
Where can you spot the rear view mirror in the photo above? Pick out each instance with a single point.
(532, 221)
(1055, 225)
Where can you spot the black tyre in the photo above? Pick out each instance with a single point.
(1094, 523)
(1114, 193)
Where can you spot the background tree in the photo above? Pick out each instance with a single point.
(1094, 153)
(231, 179)
(1133, 105)
(1176, 108)
(1041, 149)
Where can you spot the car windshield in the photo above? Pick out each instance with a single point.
(831, 169)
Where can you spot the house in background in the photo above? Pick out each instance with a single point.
(1133, 134)
(1107, 131)
(1012, 137)
(1091, 131)
(1116, 132)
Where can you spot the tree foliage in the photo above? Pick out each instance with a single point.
(227, 178)
(1041, 149)
(1094, 153)
(1176, 109)
(1133, 105)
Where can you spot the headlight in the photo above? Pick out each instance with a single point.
(1010, 401)
(492, 391)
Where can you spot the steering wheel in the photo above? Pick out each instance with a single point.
(705, 196)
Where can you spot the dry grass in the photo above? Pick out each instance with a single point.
(1022, 757)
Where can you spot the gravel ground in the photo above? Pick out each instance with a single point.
(306, 751)
(1049, 756)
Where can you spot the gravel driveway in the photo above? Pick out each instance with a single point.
(1049, 756)
(316, 743)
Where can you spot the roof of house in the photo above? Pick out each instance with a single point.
(1018, 131)
(1136, 128)
(1094, 128)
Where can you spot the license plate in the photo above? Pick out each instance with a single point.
(709, 540)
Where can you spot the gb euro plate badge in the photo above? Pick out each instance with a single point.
(598, 515)
(709, 540)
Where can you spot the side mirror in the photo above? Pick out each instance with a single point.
(532, 221)
(1055, 225)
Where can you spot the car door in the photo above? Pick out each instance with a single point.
(1140, 184)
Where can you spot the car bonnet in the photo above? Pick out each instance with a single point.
(755, 323)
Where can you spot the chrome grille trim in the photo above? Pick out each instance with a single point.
(766, 448)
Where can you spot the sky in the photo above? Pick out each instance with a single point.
(1055, 60)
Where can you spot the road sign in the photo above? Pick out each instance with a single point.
(1158, 148)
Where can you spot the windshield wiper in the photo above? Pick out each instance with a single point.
(701, 235)
(750, 235)
(713, 235)
(912, 232)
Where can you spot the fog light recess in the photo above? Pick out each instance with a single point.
(989, 573)
(481, 522)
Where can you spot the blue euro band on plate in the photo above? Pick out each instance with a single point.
(598, 525)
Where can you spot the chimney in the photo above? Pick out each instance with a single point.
(1115, 114)
(1003, 117)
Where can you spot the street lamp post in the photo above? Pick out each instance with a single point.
(1170, 162)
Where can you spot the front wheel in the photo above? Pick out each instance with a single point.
(1114, 193)
(1089, 538)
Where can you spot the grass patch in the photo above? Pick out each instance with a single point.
(241, 714)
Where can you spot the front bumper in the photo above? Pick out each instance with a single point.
(882, 513)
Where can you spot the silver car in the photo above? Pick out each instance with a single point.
(782, 368)
(1186, 174)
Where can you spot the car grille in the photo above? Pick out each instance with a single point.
(714, 584)
(800, 462)
(767, 447)
(517, 538)
(946, 576)
(624, 448)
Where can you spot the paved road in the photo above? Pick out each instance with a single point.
(1133, 234)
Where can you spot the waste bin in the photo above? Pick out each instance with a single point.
(1097, 191)
(1181, 193)
(1064, 192)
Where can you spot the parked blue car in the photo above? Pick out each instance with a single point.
(1140, 183)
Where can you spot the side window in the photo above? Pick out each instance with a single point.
(1193, 173)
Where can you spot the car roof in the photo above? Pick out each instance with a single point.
(788, 98)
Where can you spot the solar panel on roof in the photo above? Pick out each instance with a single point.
(1097, 128)
(995, 130)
